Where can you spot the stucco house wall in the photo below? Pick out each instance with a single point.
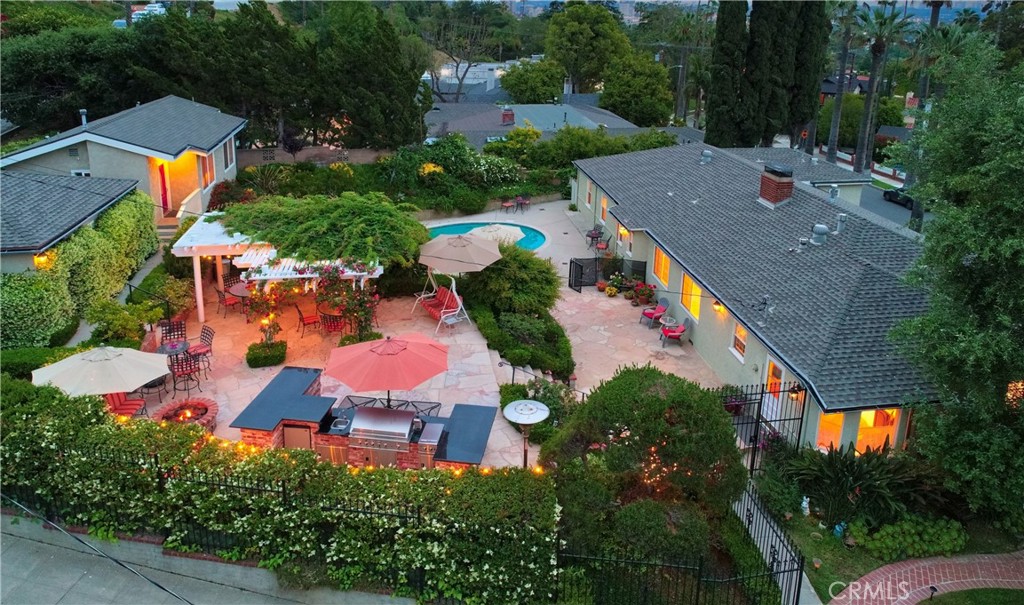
(59, 161)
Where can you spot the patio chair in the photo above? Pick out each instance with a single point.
(158, 386)
(227, 301)
(306, 320)
(602, 246)
(674, 333)
(524, 202)
(332, 323)
(429, 291)
(119, 404)
(204, 348)
(172, 331)
(507, 205)
(653, 314)
(185, 370)
(230, 280)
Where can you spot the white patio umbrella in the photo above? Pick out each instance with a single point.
(102, 370)
(499, 232)
(453, 254)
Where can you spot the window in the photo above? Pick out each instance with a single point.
(81, 173)
(691, 296)
(590, 193)
(207, 170)
(604, 208)
(877, 426)
(739, 341)
(661, 266)
(830, 430)
(229, 153)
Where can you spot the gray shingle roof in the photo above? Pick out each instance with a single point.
(803, 165)
(833, 304)
(41, 209)
(170, 125)
(900, 133)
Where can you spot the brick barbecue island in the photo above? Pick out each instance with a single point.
(290, 412)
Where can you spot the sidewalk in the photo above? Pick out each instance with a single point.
(43, 567)
(910, 582)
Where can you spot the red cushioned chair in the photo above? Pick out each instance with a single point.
(119, 404)
(653, 314)
(674, 333)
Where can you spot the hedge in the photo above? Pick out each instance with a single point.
(36, 307)
(553, 353)
(472, 536)
(263, 354)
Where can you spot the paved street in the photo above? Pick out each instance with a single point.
(871, 200)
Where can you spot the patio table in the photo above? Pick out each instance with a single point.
(328, 309)
(173, 347)
(240, 290)
(667, 321)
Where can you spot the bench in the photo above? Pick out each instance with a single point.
(120, 405)
(445, 301)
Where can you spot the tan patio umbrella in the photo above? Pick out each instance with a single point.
(453, 254)
(399, 363)
(102, 370)
(499, 232)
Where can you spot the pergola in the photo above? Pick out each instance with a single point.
(210, 239)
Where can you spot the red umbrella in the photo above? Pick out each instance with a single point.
(399, 363)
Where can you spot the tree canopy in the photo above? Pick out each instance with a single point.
(726, 110)
(365, 227)
(583, 39)
(534, 82)
(636, 88)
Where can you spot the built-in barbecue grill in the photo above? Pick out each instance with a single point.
(381, 428)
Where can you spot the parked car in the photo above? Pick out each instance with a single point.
(898, 196)
(119, 24)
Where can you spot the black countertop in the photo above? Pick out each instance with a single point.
(284, 399)
(468, 429)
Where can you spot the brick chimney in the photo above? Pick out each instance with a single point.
(776, 184)
(508, 117)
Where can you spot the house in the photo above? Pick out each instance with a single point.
(780, 284)
(809, 169)
(176, 149)
(898, 133)
(41, 210)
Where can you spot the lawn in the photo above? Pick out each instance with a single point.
(882, 184)
(981, 596)
(838, 563)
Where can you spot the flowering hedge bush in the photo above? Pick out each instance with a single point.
(478, 536)
(35, 307)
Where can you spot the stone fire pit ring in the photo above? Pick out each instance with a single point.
(198, 410)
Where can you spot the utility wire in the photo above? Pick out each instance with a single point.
(93, 548)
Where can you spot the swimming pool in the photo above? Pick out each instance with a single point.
(532, 240)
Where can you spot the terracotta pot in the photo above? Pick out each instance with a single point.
(643, 300)
(601, 286)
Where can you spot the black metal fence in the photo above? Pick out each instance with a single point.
(763, 412)
(607, 580)
(587, 271)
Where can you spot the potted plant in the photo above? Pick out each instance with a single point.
(601, 285)
(644, 292)
(628, 294)
(611, 291)
(616, 280)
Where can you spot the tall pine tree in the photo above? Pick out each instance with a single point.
(726, 110)
(809, 67)
(758, 72)
(783, 57)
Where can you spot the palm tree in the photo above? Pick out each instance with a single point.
(933, 24)
(968, 18)
(844, 18)
(881, 30)
(700, 78)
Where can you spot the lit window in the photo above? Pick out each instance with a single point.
(877, 426)
(691, 296)
(206, 168)
(590, 193)
(739, 341)
(661, 266)
(604, 208)
(830, 430)
(229, 153)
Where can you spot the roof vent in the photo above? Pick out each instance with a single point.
(776, 184)
(819, 234)
(833, 193)
(840, 223)
(508, 117)
(814, 161)
(706, 156)
(85, 120)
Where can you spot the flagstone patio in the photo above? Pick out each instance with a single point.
(604, 333)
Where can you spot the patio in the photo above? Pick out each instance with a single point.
(604, 333)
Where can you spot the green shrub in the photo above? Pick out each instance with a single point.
(20, 363)
(129, 226)
(913, 537)
(351, 339)
(511, 392)
(519, 282)
(229, 192)
(518, 357)
(780, 494)
(558, 397)
(179, 266)
(523, 328)
(116, 322)
(36, 307)
(62, 336)
(747, 560)
(263, 354)
(401, 281)
(651, 530)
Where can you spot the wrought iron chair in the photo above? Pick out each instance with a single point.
(306, 320)
(185, 370)
(158, 386)
(602, 246)
(227, 301)
(653, 314)
(230, 280)
(204, 348)
(594, 235)
(171, 331)
(332, 323)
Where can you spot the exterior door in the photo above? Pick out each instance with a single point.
(165, 195)
(774, 376)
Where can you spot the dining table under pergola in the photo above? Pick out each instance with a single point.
(209, 239)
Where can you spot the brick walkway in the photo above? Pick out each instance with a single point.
(908, 582)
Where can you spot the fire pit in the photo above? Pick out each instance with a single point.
(191, 411)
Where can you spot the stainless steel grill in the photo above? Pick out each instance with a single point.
(381, 429)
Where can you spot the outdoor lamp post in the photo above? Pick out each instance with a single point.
(526, 413)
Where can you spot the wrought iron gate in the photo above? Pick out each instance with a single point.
(763, 412)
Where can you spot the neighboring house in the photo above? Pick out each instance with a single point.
(779, 283)
(809, 169)
(899, 133)
(175, 148)
(830, 85)
(41, 210)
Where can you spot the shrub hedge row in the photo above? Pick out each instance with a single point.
(476, 537)
(553, 353)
